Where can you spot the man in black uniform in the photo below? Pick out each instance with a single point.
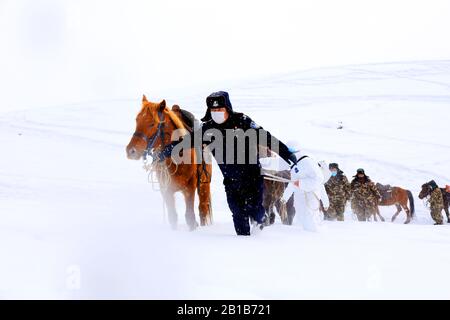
(239, 164)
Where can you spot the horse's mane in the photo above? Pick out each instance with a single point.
(172, 116)
(175, 119)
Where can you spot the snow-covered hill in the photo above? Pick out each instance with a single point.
(79, 220)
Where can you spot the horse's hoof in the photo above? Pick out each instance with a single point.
(272, 219)
(193, 226)
(205, 222)
(383, 220)
(407, 221)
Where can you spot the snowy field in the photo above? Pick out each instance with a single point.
(79, 220)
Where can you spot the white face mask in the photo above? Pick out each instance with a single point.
(218, 116)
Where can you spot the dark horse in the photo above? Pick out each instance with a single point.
(273, 197)
(396, 196)
(274, 190)
(427, 188)
(155, 124)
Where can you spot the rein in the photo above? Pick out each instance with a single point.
(152, 140)
(156, 167)
(276, 178)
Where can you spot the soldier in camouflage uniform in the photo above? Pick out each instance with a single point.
(364, 196)
(338, 190)
(435, 200)
(436, 206)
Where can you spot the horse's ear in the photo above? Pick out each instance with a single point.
(144, 98)
(162, 105)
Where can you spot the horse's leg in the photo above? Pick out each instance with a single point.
(169, 199)
(270, 215)
(290, 211)
(189, 198)
(399, 209)
(408, 212)
(203, 176)
(266, 207)
(282, 210)
(266, 203)
(204, 205)
(446, 205)
(277, 205)
(379, 214)
(447, 213)
(272, 207)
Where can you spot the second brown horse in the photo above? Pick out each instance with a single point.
(398, 197)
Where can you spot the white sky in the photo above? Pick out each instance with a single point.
(65, 51)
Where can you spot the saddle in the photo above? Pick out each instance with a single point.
(447, 189)
(385, 191)
(188, 118)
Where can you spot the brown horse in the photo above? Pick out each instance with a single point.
(155, 124)
(396, 196)
(427, 188)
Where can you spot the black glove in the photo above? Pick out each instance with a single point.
(165, 153)
(292, 160)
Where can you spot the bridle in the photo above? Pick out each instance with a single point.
(152, 140)
(429, 190)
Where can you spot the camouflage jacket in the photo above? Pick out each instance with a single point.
(338, 188)
(364, 194)
(436, 200)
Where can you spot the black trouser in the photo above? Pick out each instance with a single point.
(244, 198)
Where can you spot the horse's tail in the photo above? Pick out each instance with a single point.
(411, 202)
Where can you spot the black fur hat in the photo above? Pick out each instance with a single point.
(433, 184)
(220, 99)
(360, 170)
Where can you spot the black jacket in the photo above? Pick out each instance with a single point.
(235, 167)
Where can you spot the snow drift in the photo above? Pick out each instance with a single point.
(79, 220)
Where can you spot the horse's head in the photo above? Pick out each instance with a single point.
(426, 191)
(149, 133)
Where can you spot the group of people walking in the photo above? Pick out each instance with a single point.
(365, 197)
(243, 181)
(361, 191)
(330, 193)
